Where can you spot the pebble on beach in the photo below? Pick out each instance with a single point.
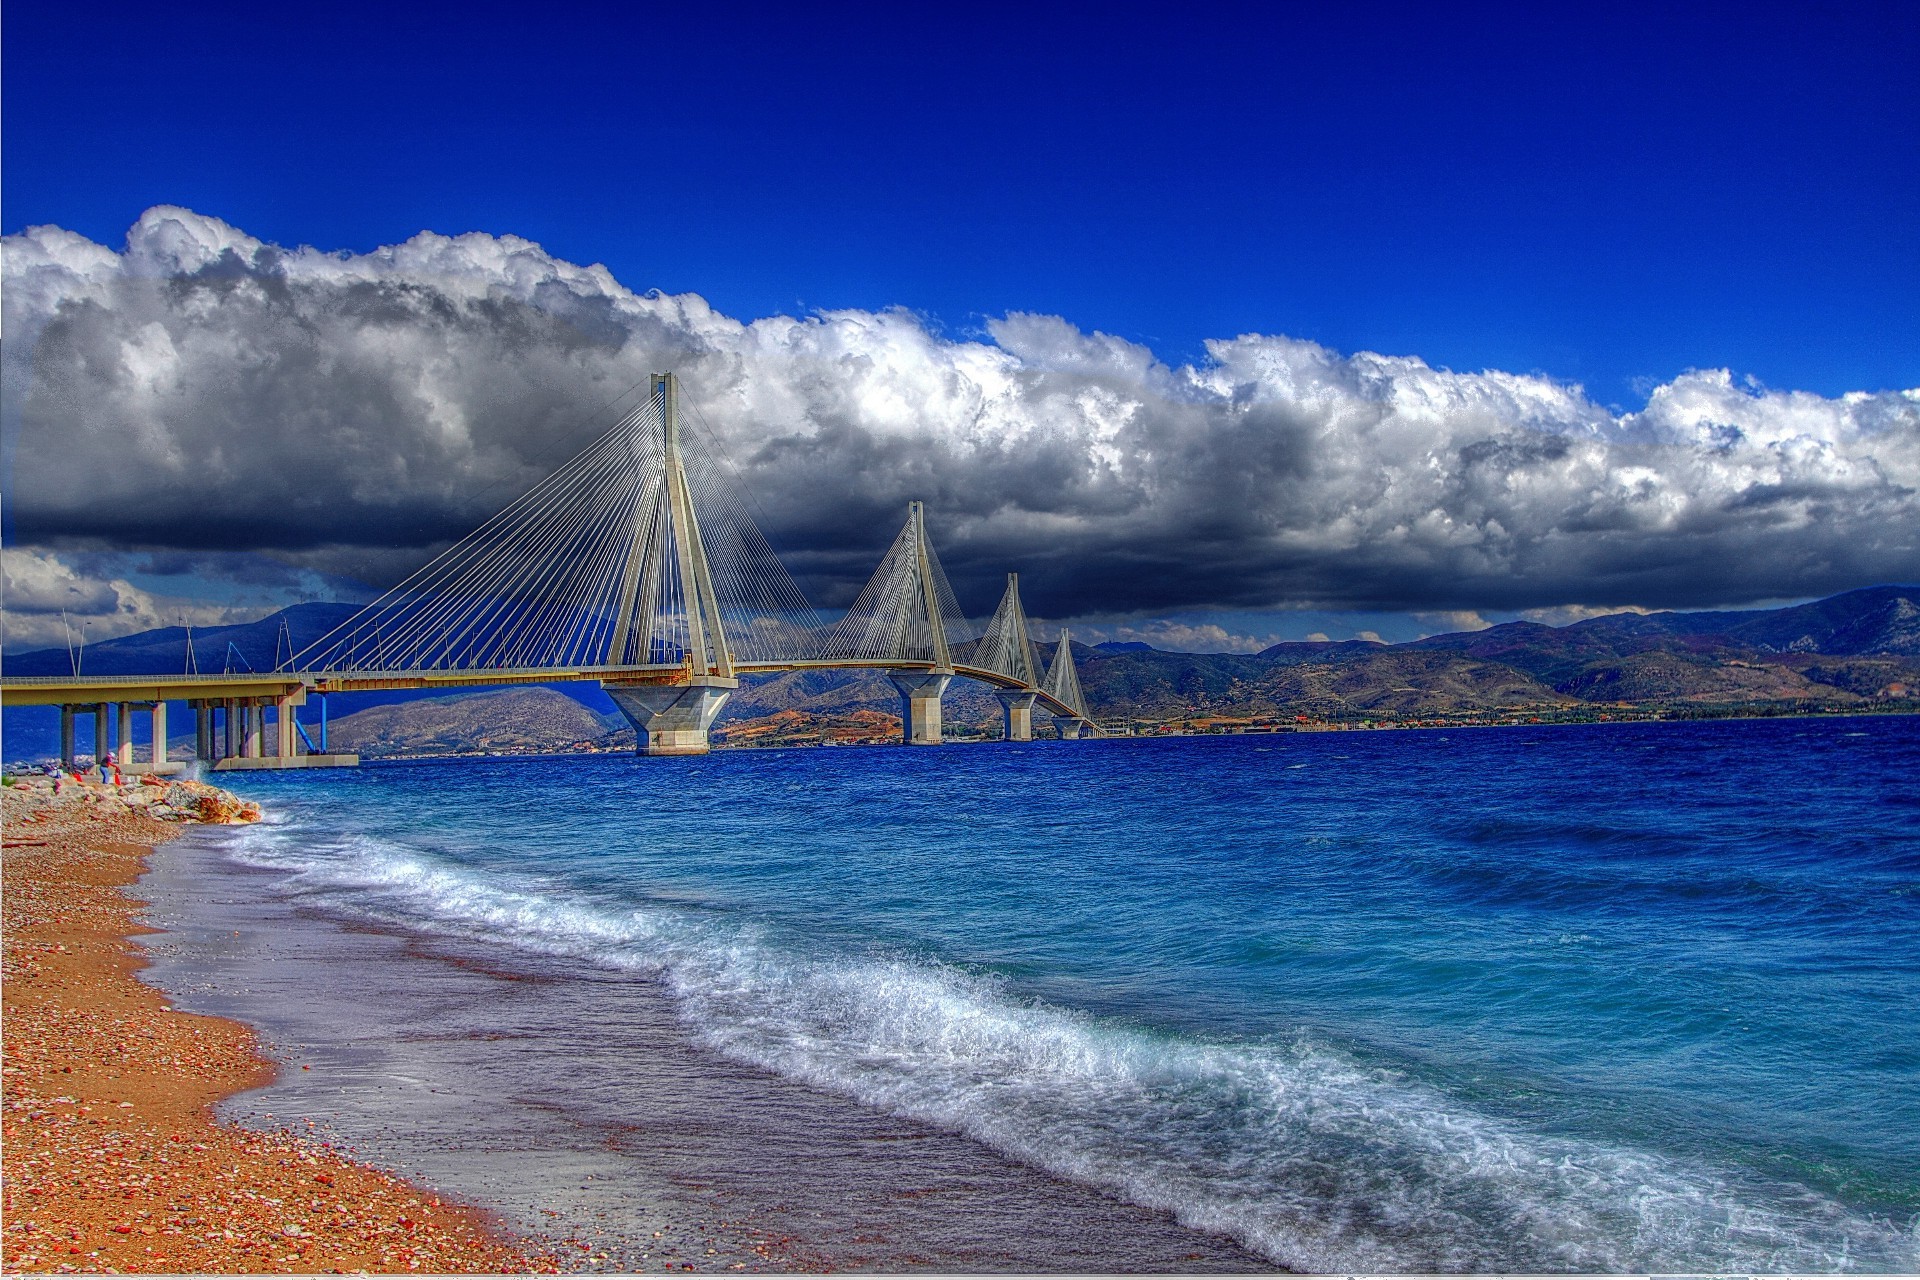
(113, 1159)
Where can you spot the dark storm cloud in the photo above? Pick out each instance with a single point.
(350, 414)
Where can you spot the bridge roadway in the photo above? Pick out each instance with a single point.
(245, 696)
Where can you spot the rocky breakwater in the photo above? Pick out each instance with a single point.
(33, 800)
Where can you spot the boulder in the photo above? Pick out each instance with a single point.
(216, 806)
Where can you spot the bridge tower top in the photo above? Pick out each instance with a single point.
(1004, 646)
(672, 513)
(929, 596)
(1063, 680)
(907, 610)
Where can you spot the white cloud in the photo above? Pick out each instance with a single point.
(202, 389)
(1176, 637)
(1451, 620)
(46, 602)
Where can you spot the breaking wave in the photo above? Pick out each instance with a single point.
(1315, 1159)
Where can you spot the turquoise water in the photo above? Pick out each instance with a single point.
(1635, 997)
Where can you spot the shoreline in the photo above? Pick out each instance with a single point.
(116, 1160)
(170, 1143)
(1287, 731)
(573, 1101)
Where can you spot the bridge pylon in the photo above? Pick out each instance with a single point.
(906, 614)
(667, 572)
(1006, 648)
(920, 694)
(1062, 683)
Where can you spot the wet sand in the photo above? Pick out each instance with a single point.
(114, 1159)
(571, 1099)
(420, 1077)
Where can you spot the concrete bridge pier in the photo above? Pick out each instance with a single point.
(66, 736)
(1019, 714)
(1069, 726)
(100, 739)
(672, 719)
(283, 726)
(920, 705)
(250, 719)
(123, 734)
(156, 761)
(255, 740)
(202, 730)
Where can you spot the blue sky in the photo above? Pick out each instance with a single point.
(1609, 194)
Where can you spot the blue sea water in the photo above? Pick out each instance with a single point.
(1633, 997)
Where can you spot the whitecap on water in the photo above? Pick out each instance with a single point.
(1311, 1157)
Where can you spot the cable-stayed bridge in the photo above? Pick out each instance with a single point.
(636, 564)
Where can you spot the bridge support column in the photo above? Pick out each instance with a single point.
(159, 737)
(100, 747)
(283, 727)
(123, 735)
(1019, 715)
(66, 736)
(250, 718)
(672, 719)
(229, 728)
(1069, 726)
(202, 730)
(920, 706)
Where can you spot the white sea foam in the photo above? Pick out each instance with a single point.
(1313, 1159)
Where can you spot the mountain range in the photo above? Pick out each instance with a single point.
(1859, 650)
(1851, 650)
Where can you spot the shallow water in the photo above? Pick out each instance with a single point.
(1612, 998)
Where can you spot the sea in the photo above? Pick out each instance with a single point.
(1622, 997)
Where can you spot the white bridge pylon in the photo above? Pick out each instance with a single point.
(638, 564)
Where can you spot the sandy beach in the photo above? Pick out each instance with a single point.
(122, 1155)
(114, 1160)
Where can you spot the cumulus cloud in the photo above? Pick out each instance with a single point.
(50, 601)
(1175, 636)
(200, 389)
(1451, 620)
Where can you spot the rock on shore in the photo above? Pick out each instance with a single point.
(32, 799)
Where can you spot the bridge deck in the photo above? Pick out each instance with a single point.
(21, 691)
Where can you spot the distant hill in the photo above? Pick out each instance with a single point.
(1877, 620)
(1856, 650)
(832, 693)
(246, 646)
(504, 721)
(1874, 620)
